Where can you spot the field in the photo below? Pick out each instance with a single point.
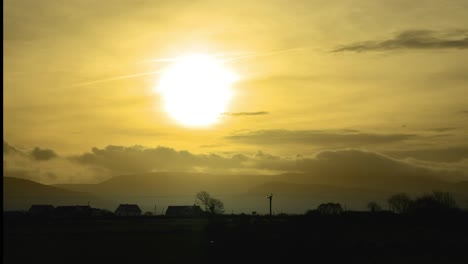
(362, 237)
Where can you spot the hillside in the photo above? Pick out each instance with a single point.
(295, 192)
(20, 194)
(171, 183)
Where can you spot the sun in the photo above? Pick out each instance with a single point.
(196, 89)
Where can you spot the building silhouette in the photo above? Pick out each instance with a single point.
(128, 210)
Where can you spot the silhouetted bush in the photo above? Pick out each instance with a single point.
(374, 207)
(329, 209)
(311, 212)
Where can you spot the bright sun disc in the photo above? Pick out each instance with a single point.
(196, 90)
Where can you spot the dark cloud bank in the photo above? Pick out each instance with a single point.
(413, 39)
(43, 154)
(349, 167)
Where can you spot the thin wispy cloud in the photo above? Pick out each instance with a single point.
(246, 113)
(413, 39)
(223, 57)
(316, 137)
(116, 78)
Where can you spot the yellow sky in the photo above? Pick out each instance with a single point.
(74, 73)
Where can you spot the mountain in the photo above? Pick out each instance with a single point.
(295, 192)
(171, 183)
(20, 194)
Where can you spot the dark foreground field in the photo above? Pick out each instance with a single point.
(356, 238)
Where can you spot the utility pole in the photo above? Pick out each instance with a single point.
(270, 197)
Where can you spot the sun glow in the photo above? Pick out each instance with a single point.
(196, 89)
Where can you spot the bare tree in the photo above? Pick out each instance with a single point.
(437, 201)
(399, 203)
(444, 198)
(216, 206)
(203, 199)
(211, 204)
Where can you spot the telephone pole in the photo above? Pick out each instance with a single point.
(270, 197)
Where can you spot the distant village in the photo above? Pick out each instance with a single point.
(124, 210)
(435, 202)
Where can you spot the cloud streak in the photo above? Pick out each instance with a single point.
(413, 39)
(449, 154)
(246, 113)
(318, 137)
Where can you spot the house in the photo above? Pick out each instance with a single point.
(73, 210)
(41, 210)
(128, 210)
(184, 210)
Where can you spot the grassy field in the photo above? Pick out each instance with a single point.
(362, 237)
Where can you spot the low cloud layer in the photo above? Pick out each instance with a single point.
(317, 137)
(349, 167)
(46, 166)
(8, 149)
(43, 154)
(413, 39)
(449, 154)
(139, 159)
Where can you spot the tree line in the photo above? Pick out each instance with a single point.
(401, 203)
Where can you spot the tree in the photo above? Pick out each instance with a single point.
(374, 207)
(203, 198)
(445, 199)
(216, 206)
(436, 202)
(330, 208)
(399, 203)
(212, 205)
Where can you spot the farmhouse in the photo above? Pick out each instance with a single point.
(41, 209)
(128, 210)
(184, 210)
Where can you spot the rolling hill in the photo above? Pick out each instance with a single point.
(20, 194)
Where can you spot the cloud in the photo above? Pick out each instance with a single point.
(318, 137)
(330, 167)
(8, 149)
(43, 154)
(366, 169)
(246, 113)
(138, 159)
(413, 39)
(347, 167)
(443, 129)
(46, 166)
(449, 154)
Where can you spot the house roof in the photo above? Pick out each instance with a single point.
(41, 208)
(130, 208)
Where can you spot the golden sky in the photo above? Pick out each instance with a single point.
(384, 76)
